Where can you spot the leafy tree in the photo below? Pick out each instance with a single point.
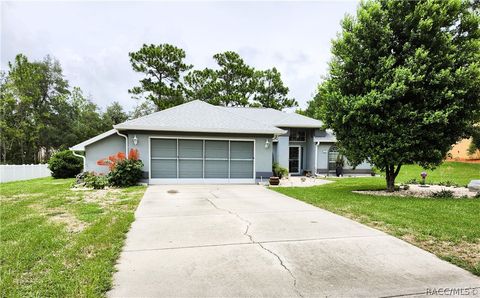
(163, 67)
(114, 114)
(235, 83)
(475, 144)
(271, 92)
(40, 114)
(143, 108)
(202, 85)
(404, 82)
(35, 93)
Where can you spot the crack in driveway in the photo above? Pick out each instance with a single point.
(248, 223)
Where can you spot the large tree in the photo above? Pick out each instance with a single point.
(163, 66)
(114, 114)
(40, 114)
(404, 82)
(235, 83)
(271, 92)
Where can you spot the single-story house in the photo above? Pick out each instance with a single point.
(197, 142)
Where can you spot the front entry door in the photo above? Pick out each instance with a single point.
(294, 160)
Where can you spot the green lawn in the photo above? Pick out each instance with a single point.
(449, 228)
(458, 172)
(55, 242)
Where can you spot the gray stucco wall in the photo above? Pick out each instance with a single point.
(263, 156)
(322, 160)
(102, 149)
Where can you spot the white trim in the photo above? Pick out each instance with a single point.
(81, 146)
(299, 159)
(126, 141)
(83, 157)
(200, 180)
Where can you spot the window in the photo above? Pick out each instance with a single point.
(297, 135)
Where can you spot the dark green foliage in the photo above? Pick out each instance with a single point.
(403, 83)
(442, 194)
(163, 67)
(40, 114)
(114, 114)
(475, 144)
(126, 172)
(64, 164)
(279, 171)
(235, 83)
(95, 181)
(271, 92)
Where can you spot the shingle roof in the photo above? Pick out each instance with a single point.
(199, 116)
(275, 117)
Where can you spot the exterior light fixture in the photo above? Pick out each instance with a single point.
(267, 144)
(135, 140)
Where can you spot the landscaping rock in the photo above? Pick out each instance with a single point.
(474, 185)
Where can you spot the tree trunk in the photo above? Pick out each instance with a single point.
(390, 175)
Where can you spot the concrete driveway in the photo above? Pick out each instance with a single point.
(246, 240)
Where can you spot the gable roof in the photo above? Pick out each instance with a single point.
(199, 116)
(81, 146)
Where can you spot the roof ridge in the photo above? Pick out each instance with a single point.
(154, 113)
(247, 118)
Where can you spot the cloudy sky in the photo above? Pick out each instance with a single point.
(92, 39)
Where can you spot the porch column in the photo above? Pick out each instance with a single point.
(283, 150)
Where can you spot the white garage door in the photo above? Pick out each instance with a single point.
(201, 161)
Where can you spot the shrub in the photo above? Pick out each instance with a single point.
(279, 171)
(64, 164)
(123, 171)
(95, 181)
(442, 194)
(127, 172)
(477, 195)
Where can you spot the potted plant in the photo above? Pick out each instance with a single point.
(278, 173)
(339, 163)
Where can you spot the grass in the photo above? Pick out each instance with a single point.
(449, 228)
(458, 172)
(57, 242)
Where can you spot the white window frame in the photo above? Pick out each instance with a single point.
(200, 180)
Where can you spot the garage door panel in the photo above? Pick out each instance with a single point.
(241, 150)
(164, 168)
(216, 149)
(241, 169)
(190, 148)
(216, 169)
(164, 148)
(190, 168)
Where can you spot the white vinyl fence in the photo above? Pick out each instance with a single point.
(23, 172)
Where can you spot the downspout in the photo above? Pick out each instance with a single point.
(126, 141)
(83, 157)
